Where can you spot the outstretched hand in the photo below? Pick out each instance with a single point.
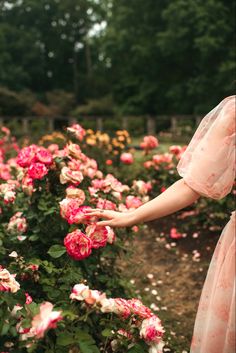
(113, 218)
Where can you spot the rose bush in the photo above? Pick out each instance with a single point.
(48, 243)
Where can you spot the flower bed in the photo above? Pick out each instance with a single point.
(48, 244)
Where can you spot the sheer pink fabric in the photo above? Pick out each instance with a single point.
(208, 167)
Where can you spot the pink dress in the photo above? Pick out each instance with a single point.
(208, 167)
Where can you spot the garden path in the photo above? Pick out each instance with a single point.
(169, 274)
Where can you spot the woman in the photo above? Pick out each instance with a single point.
(207, 169)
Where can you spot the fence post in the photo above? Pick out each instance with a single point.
(173, 125)
(124, 123)
(99, 123)
(50, 124)
(151, 126)
(25, 125)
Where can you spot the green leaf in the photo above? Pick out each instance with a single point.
(138, 348)
(5, 329)
(86, 342)
(65, 339)
(107, 332)
(33, 237)
(56, 251)
(88, 347)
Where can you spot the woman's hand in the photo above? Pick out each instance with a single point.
(113, 218)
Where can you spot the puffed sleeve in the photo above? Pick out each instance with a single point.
(208, 164)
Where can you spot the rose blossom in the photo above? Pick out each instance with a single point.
(162, 158)
(142, 187)
(33, 267)
(17, 224)
(74, 151)
(156, 347)
(5, 171)
(8, 282)
(174, 234)
(44, 156)
(108, 305)
(70, 176)
(105, 204)
(133, 201)
(7, 191)
(110, 235)
(78, 245)
(98, 235)
(127, 158)
(71, 210)
(149, 142)
(137, 308)
(53, 148)
(28, 299)
(46, 319)
(37, 170)
(81, 292)
(78, 194)
(77, 130)
(152, 330)
(27, 185)
(27, 156)
(175, 149)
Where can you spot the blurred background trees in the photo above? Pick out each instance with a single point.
(143, 57)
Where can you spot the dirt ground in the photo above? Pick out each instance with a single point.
(169, 276)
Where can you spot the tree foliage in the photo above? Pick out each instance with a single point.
(153, 56)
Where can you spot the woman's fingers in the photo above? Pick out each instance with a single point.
(100, 213)
(104, 223)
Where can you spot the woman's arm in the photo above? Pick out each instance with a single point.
(177, 196)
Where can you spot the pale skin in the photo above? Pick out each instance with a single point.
(179, 195)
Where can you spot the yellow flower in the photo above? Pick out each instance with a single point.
(91, 141)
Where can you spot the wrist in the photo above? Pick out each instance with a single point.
(134, 218)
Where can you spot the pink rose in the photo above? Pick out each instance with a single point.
(137, 308)
(133, 201)
(37, 171)
(81, 292)
(44, 156)
(27, 185)
(110, 235)
(77, 130)
(174, 234)
(149, 142)
(78, 245)
(127, 158)
(148, 164)
(53, 148)
(122, 307)
(105, 204)
(27, 156)
(71, 210)
(28, 299)
(142, 187)
(33, 267)
(8, 282)
(70, 176)
(152, 330)
(98, 235)
(5, 171)
(78, 194)
(175, 149)
(8, 193)
(162, 158)
(17, 224)
(46, 319)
